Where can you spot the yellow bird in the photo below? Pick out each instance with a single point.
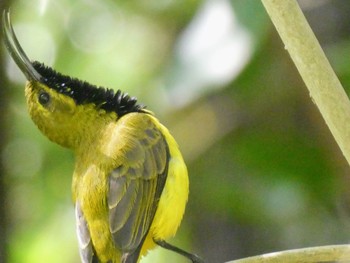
(130, 183)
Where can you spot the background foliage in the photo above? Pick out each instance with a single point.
(265, 172)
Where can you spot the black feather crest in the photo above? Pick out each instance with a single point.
(83, 92)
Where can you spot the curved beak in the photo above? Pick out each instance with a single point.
(15, 49)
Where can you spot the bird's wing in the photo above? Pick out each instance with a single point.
(136, 185)
(84, 239)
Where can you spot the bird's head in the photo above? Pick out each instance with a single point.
(65, 109)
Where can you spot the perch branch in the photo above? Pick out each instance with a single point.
(337, 253)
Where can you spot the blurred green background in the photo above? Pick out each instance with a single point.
(265, 172)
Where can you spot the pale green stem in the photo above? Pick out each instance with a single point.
(338, 253)
(313, 66)
(329, 96)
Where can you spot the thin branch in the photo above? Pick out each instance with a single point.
(313, 66)
(338, 253)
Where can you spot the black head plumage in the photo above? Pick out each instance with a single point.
(83, 92)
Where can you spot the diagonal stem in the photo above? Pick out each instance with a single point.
(313, 66)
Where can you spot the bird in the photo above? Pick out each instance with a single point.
(130, 183)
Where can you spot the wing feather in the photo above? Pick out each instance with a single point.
(83, 234)
(123, 238)
(137, 154)
(120, 213)
(134, 189)
(159, 155)
(120, 185)
(149, 165)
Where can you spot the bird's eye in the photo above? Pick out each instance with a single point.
(44, 98)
